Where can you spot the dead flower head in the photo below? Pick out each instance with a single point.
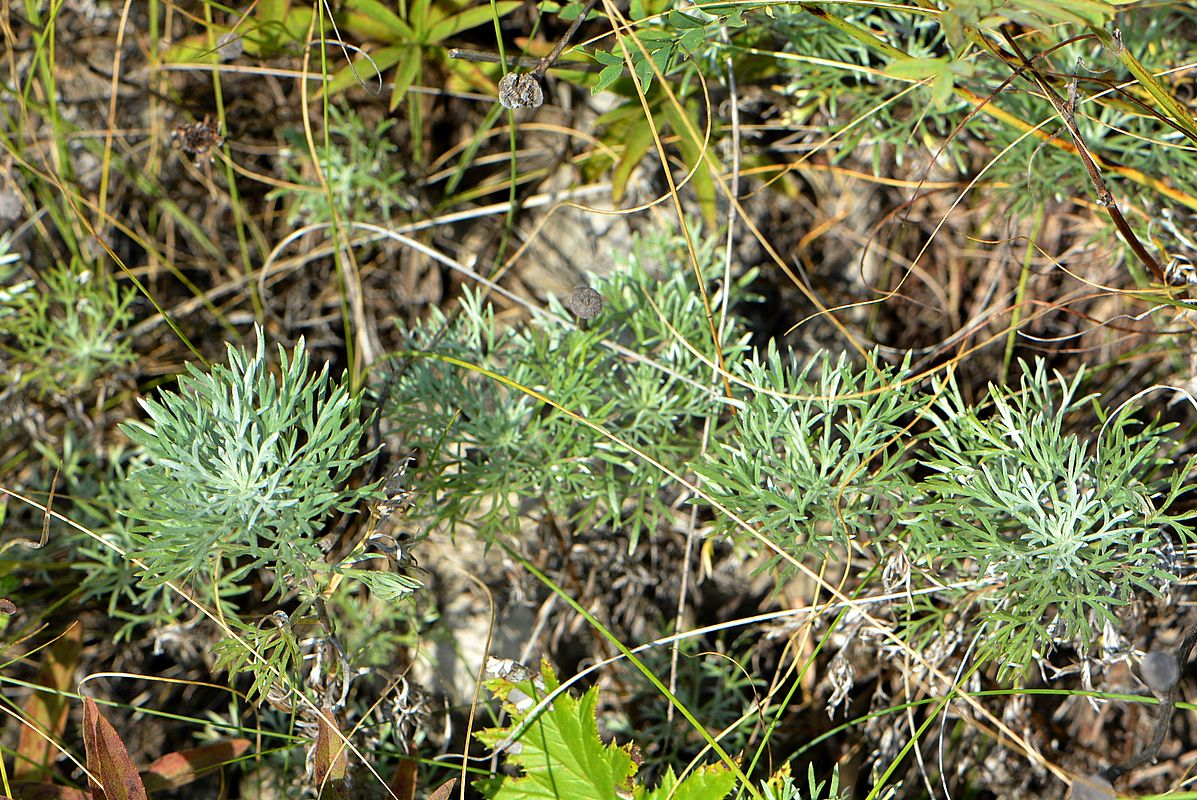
(198, 139)
(520, 90)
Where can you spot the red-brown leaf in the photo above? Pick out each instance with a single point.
(107, 759)
(330, 759)
(46, 791)
(47, 710)
(444, 790)
(184, 766)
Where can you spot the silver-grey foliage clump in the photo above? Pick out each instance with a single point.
(1031, 517)
(243, 470)
(494, 449)
(1061, 524)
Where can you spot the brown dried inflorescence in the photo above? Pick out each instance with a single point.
(520, 90)
(198, 139)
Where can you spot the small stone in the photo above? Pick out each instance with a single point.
(520, 90)
(230, 46)
(11, 208)
(1160, 671)
(584, 303)
(1091, 787)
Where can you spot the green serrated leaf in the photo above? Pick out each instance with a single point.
(709, 782)
(559, 752)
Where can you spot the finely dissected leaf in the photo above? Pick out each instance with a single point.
(388, 586)
(559, 750)
(107, 759)
(47, 710)
(242, 466)
(184, 766)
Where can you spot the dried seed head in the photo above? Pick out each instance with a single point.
(520, 90)
(1160, 671)
(584, 303)
(198, 138)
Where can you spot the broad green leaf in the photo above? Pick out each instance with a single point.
(988, 14)
(297, 23)
(273, 10)
(371, 19)
(570, 12)
(382, 61)
(680, 19)
(692, 39)
(937, 71)
(1090, 12)
(701, 183)
(561, 755)
(607, 77)
(637, 142)
(410, 66)
(470, 18)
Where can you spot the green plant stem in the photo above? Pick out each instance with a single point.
(231, 176)
(1178, 111)
(1020, 294)
(872, 42)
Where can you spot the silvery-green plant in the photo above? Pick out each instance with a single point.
(63, 333)
(1044, 511)
(492, 448)
(815, 459)
(242, 471)
(1059, 514)
(360, 166)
